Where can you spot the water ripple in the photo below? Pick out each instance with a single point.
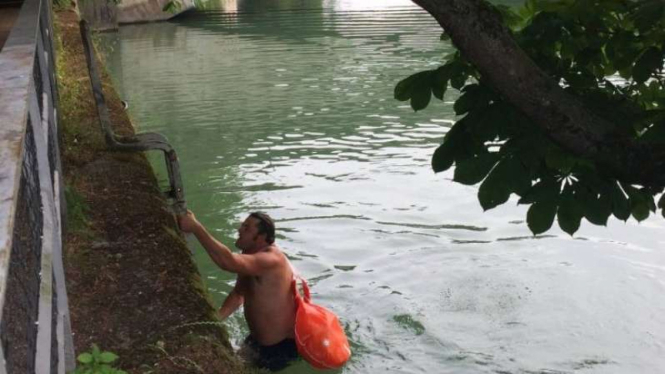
(336, 216)
(435, 227)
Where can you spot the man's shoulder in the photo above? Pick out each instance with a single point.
(273, 250)
(273, 253)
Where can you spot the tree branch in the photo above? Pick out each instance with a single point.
(477, 30)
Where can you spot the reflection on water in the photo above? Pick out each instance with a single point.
(286, 107)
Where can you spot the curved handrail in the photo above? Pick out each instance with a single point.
(139, 142)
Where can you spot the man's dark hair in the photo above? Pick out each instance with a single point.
(265, 226)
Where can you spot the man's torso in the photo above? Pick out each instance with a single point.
(269, 304)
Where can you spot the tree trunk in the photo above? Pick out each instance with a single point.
(477, 30)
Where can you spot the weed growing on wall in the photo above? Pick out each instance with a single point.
(97, 361)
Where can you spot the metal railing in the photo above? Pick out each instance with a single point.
(139, 142)
(35, 329)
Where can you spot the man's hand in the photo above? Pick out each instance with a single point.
(188, 222)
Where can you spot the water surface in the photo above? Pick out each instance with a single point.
(286, 107)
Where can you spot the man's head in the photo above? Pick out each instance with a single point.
(257, 231)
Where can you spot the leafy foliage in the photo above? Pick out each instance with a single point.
(64, 3)
(96, 361)
(172, 6)
(175, 6)
(608, 53)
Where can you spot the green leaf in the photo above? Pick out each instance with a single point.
(661, 205)
(622, 50)
(507, 176)
(540, 216)
(543, 191)
(443, 157)
(510, 18)
(438, 91)
(475, 169)
(85, 358)
(626, 73)
(556, 159)
(464, 103)
(418, 88)
(641, 202)
(474, 97)
(518, 176)
(568, 50)
(488, 123)
(108, 357)
(458, 75)
(421, 97)
(655, 133)
(596, 207)
(457, 145)
(640, 210)
(597, 210)
(458, 81)
(646, 14)
(405, 89)
(650, 61)
(170, 7)
(440, 82)
(620, 203)
(570, 214)
(650, 201)
(493, 191)
(580, 79)
(529, 8)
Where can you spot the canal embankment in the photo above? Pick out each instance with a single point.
(133, 287)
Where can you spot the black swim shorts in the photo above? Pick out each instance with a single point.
(273, 357)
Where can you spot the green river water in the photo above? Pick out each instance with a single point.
(286, 107)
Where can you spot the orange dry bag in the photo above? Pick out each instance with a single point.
(320, 338)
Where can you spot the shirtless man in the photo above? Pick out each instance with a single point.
(263, 286)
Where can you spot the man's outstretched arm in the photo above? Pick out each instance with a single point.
(254, 264)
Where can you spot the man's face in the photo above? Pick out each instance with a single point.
(248, 233)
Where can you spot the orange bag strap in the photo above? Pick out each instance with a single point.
(305, 289)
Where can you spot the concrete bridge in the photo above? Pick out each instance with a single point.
(107, 15)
